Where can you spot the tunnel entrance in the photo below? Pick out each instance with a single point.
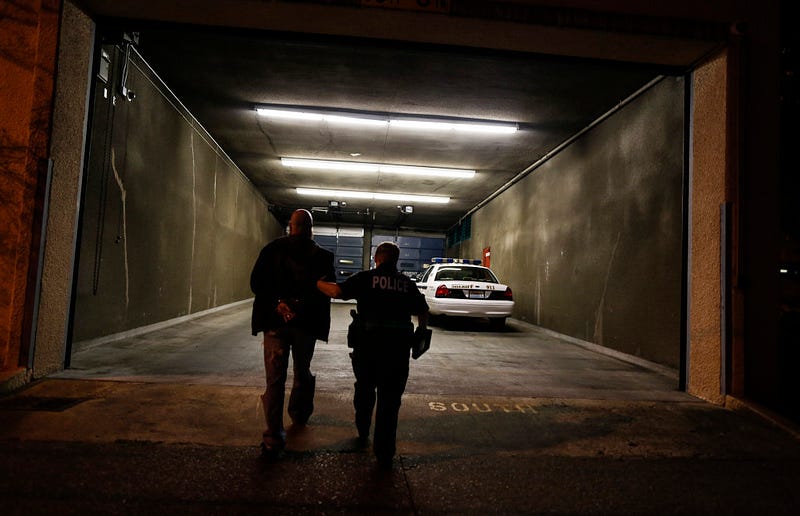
(586, 224)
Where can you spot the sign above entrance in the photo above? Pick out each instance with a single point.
(434, 6)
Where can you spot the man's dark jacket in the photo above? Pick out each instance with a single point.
(288, 269)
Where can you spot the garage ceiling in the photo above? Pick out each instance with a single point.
(223, 74)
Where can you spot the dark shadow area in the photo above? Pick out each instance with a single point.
(475, 324)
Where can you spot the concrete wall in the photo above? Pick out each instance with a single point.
(709, 163)
(70, 116)
(590, 241)
(170, 226)
(28, 42)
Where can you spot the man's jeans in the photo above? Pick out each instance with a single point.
(277, 345)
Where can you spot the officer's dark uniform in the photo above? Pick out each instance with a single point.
(386, 300)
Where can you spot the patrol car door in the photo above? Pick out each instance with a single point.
(422, 284)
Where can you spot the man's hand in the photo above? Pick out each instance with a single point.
(285, 311)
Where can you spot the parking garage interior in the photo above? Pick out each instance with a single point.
(596, 228)
(590, 236)
(171, 225)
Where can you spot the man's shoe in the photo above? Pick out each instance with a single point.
(300, 421)
(384, 463)
(269, 453)
(363, 431)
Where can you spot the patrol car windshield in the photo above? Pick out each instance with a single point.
(456, 273)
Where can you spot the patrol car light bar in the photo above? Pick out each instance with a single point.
(467, 261)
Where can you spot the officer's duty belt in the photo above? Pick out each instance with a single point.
(386, 325)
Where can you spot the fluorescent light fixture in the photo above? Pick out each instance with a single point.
(318, 164)
(355, 166)
(409, 170)
(468, 127)
(383, 120)
(378, 196)
(290, 114)
(353, 120)
(285, 114)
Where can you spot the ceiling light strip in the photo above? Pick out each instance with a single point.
(356, 166)
(433, 124)
(352, 120)
(289, 114)
(468, 127)
(378, 196)
(318, 164)
(426, 171)
(283, 114)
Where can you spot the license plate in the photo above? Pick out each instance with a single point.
(476, 294)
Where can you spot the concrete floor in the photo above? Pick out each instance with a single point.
(518, 421)
(467, 359)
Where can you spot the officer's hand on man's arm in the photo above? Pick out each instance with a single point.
(329, 288)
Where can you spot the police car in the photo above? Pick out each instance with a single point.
(462, 287)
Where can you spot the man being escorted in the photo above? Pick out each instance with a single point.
(386, 300)
(293, 314)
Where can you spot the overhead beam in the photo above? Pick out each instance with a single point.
(633, 34)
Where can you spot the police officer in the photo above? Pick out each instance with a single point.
(386, 300)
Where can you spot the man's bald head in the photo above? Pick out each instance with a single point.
(301, 223)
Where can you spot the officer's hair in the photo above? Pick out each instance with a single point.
(388, 253)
